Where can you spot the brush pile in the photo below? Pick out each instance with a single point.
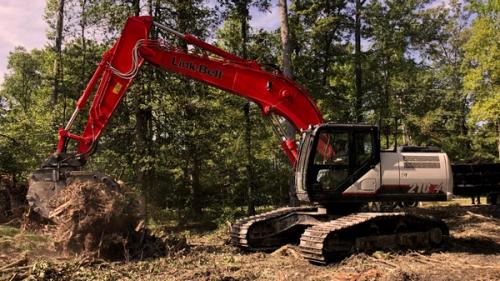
(93, 219)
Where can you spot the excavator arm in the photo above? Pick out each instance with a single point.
(286, 103)
(273, 93)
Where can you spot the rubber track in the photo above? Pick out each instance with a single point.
(313, 239)
(239, 229)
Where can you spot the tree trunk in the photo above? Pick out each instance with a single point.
(83, 25)
(193, 157)
(286, 51)
(285, 42)
(136, 7)
(248, 141)
(58, 50)
(196, 186)
(384, 102)
(358, 110)
(244, 29)
(326, 56)
(142, 116)
(498, 138)
(84, 43)
(295, 20)
(243, 15)
(150, 7)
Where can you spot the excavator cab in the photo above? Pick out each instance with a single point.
(333, 157)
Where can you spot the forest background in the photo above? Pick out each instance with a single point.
(426, 69)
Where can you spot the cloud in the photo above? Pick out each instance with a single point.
(440, 3)
(268, 20)
(21, 24)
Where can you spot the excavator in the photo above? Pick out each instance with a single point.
(337, 167)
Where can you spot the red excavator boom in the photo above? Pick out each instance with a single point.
(272, 92)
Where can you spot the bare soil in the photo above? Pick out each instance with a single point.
(472, 253)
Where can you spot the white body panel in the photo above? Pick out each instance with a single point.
(368, 184)
(390, 168)
(425, 172)
(411, 173)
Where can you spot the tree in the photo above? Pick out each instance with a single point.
(482, 76)
(58, 43)
(239, 9)
(399, 84)
(322, 60)
(358, 105)
(445, 122)
(285, 40)
(25, 94)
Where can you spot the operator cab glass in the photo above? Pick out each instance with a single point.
(331, 159)
(338, 155)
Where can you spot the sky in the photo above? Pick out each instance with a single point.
(22, 24)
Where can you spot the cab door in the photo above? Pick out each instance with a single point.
(340, 158)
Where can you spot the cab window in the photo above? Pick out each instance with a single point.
(339, 154)
(331, 159)
(364, 147)
(332, 149)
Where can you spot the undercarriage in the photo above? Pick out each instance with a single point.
(323, 237)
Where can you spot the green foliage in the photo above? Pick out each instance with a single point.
(321, 57)
(482, 78)
(27, 132)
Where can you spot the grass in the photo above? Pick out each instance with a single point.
(36, 238)
(8, 231)
(13, 240)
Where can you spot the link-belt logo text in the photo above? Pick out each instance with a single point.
(216, 73)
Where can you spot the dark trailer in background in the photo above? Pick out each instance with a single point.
(477, 180)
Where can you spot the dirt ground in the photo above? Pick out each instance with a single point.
(472, 253)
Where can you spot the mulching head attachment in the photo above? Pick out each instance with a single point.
(46, 183)
(43, 185)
